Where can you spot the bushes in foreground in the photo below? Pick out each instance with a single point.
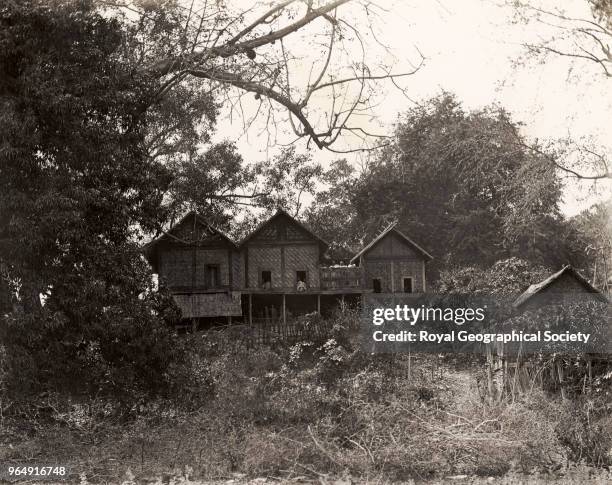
(324, 408)
(266, 415)
(123, 353)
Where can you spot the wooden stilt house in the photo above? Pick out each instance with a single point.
(277, 271)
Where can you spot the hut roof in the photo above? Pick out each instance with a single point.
(393, 228)
(542, 285)
(169, 235)
(283, 213)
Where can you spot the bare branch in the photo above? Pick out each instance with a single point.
(370, 78)
(259, 21)
(165, 66)
(578, 38)
(219, 45)
(554, 161)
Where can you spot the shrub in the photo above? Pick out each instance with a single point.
(585, 428)
(122, 350)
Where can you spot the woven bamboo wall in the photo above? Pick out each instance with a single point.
(302, 258)
(264, 258)
(177, 266)
(238, 269)
(378, 269)
(209, 304)
(410, 269)
(401, 269)
(211, 256)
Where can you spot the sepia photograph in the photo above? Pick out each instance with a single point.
(306, 242)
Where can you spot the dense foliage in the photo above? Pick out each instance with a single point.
(76, 184)
(458, 183)
(591, 234)
(97, 150)
(508, 277)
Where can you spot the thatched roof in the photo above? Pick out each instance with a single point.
(542, 285)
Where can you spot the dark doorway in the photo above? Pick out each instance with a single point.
(266, 279)
(212, 275)
(376, 285)
(408, 285)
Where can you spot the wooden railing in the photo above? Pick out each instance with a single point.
(341, 277)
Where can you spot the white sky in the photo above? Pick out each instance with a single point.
(470, 48)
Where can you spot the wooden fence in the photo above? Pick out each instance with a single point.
(266, 331)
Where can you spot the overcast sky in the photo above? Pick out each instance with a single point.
(471, 49)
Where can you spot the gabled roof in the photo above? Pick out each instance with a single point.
(394, 229)
(149, 247)
(542, 285)
(282, 212)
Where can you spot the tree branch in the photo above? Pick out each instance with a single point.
(165, 66)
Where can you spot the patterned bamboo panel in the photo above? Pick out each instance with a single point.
(410, 269)
(302, 258)
(209, 304)
(378, 269)
(176, 267)
(205, 257)
(264, 258)
(238, 270)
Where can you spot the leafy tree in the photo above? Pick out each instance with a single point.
(505, 278)
(76, 183)
(332, 212)
(602, 10)
(285, 180)
(220, 186)
(107, 112)
(458, 184)
(590, 234)
(212, 183)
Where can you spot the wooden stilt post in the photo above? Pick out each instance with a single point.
(284, 310)
(409, 365)
(250, 309)
(561, 377)
(319, 303)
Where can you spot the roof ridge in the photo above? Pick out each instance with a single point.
(392, 227)
(535, 288)
(200, 218)
(281, 211)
